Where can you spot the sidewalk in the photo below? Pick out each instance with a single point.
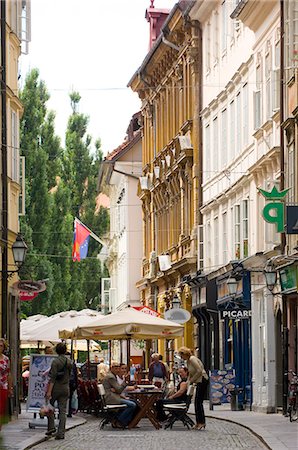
(18, 436)
(274, 429)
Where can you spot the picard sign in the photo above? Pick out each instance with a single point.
(235, 314)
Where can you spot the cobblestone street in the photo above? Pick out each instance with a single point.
(219, 435)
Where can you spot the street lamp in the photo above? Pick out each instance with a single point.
(232, 284)
(176, 302)
(271, 279)
(19, 250)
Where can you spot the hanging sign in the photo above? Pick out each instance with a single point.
(274, 212)
(26, 296)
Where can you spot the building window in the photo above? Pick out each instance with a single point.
(258, 99)
(232, 129)
(245, 114)
(14, 147)
(237, 232)
(215, 155)
(223, 27)
(208, 48)
(268, 71)
(209, 245)
(245, 228)
(216, 241)
(207, 153)
(224, 238)
(215, 35)
(223, 149)
(239, 123)
(291, 36)
(262, 329)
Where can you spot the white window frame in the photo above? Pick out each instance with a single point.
(215, 154)
(245, 228)
(232, 129)
(22, 193)
(225, 247)
(224, 25)
(258, 116)
(216, 240)
(239, 123)
(237, 230)
(207, 153)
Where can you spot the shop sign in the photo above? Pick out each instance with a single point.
(274, 211)
(235, 314)
(147, 310)
(292, 219)
(288, 279)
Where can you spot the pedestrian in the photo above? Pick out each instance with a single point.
(58, 390)
(197, 375)
(102, 370)
(113, 390)
(48, 350)
(6, 387)
(157, 371)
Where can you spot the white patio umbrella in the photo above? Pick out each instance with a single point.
(48, 329)
(128, 324)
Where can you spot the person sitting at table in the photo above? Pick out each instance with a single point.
(157, 371)
(178, 397)
(113, 390)
(123, 373)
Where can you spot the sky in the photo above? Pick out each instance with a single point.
(93, 47)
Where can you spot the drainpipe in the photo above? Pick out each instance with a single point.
(4, 284)
(282, 186)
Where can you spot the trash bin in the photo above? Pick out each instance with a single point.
(237, 399)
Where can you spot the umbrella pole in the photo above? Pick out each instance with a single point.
(128, 353)
(88, 359)
(110, 351)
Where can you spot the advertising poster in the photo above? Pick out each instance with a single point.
(221, 383)
(38, 380)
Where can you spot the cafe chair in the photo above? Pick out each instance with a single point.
(108, 412)
(178, 411)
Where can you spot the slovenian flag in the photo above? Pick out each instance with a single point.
(81, 238)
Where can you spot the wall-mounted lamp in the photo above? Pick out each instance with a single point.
(232, 284)
(271, 278)
(19, 250)
(176, 303)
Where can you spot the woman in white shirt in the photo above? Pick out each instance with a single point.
(198, 376)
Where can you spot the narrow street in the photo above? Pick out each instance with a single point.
(218, 435)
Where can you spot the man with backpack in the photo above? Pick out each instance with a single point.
(58, 390)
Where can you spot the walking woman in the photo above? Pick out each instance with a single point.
(6, 388)
(197, 375)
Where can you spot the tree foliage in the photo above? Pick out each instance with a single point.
(60, 185)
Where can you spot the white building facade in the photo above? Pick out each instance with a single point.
(241, 137)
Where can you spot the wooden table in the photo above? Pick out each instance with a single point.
(145, 400)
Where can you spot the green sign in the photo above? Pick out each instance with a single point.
(274, 212)
(288, 279)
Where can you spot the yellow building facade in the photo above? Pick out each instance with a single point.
(16, 37)
(168, 84)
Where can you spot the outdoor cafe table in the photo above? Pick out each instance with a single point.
(145, 399)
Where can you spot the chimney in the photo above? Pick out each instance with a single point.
(156, 19)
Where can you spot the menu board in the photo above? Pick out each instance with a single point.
(38, 380)
(221, 383)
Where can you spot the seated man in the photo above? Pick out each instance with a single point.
(113, 390)
(178, 397)
(122, 377)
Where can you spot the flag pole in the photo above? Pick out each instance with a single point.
(91, 232)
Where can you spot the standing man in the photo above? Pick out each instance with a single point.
(157, 371)
(58, 390)
(113, 390)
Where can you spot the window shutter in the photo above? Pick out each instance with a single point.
(257, 109)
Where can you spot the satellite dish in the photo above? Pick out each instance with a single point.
(178, 315)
